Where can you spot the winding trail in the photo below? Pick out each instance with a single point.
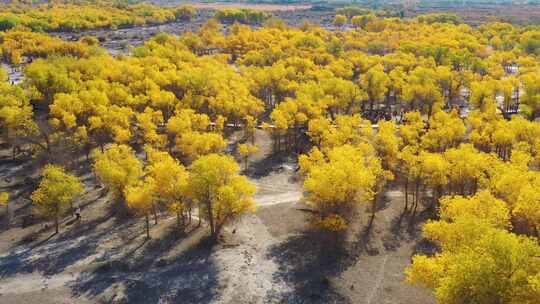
(275, 199)
(35, 281)
(378, 281)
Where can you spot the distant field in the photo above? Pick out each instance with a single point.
(261, 7)
(476, 15)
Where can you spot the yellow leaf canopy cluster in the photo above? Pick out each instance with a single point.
(85, 16)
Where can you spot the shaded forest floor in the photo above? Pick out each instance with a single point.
(267, 257)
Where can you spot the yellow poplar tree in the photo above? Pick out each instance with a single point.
(56, 192)
(171, 179)
(376, 84)
(388, 144)
(245, 151)
(434, 173)
(527, 205)
(140, 198)
(340, 20)
(117, 168)
(347, 177)
(446, 130)
(531, 98)
(480, 261)
(412, 129)
(221, 193)
(468, 169)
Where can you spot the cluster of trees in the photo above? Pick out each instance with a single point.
(430, 161)
(480, 261)
(242, 15)
(356, 21)
(158, 120)
(84, 16)
(161, 100)
(354, 10)
(358, 16)
(212, 185)
(163, 96)
(440, 18)
(18, 46)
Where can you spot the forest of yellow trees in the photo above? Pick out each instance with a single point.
(446, 111)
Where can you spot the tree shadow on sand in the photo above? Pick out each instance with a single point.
(142, 276)
(48, 253)
(55, 253)
(266, 166)
(308, 262)
(137, 265)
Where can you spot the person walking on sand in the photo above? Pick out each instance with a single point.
(78, 213)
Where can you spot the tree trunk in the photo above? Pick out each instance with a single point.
(7, 214)
(211, 220)
(430, 111)
(147, 226)
(413, 198)
(417, 194)
(418, 190)
(374, 207)
(434, 197)
(155, 213)
(295, 134)
(56, 224)
(406, 195)
(178, 220)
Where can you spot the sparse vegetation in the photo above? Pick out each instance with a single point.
(244, 16)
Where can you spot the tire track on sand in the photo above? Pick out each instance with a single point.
(378, 281)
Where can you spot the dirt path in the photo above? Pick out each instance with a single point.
(247, 274)
(378, 274)
(33, 282)
(37, 288)
(378, 280)
(275, 199)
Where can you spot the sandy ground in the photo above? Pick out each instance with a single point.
(271, 256)
(120, 41)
